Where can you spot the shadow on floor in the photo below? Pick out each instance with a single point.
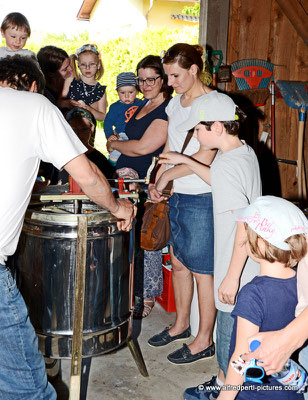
(55, 373)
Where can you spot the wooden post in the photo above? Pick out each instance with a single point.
(213, 27)
(203, 22)
(80, 275)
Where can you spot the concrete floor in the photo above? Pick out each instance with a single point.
(115, 376)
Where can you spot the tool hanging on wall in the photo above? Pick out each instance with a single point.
(272, 90)
(295, 95)
(214, 58)
(252, 77)
(252, 73)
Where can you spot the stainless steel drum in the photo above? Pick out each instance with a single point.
(44, 266)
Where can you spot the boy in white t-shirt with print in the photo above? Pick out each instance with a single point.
(235, 179)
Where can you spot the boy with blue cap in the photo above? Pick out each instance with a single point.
(122, 110)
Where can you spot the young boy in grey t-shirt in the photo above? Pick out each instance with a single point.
(235, 179)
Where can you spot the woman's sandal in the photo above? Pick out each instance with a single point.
(148, 305)
(143, 308)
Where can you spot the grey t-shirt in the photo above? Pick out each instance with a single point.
(4, 51)
(236, 182)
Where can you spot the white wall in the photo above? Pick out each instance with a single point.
(55, 16)
(114, 18)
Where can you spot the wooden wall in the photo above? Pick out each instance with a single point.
(261, 29)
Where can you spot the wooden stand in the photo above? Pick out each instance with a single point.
(75, 381)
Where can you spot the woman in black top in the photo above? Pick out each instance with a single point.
(147, 131)
(148, 128)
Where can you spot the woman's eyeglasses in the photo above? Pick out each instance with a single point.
(148, 81)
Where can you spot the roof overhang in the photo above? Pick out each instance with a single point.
(190, 18)
(85, 10)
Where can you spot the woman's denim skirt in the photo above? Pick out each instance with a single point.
(192, 231)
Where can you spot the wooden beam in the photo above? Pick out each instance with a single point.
(297, 13)
(203, 22)
(217, 25)
(85, 10)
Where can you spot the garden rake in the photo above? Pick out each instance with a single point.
(252, 73)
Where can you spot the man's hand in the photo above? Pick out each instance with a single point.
(228, 289)
(274, 351)
(126, 212)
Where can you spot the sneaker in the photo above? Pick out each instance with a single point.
(184, 356)
(206, 391)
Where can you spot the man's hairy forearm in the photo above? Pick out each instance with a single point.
(99, 191)
(93, 182)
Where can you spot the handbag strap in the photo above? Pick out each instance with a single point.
(187, 140)
(166, 192)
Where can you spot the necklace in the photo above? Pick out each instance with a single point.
(86, 92)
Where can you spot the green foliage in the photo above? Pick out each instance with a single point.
(124, 53)
(119, 55)
(192, 10)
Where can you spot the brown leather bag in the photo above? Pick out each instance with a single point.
(155, 228)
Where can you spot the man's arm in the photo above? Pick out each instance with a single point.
(97, 188)
(276, 347)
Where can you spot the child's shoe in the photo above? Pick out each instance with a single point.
(208, 390)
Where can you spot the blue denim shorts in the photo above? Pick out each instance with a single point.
(22, 366)
(224, 328)
(192, 231)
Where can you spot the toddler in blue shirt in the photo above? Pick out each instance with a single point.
(276, 238)
(122, 110)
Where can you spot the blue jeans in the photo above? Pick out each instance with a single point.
(224, 330)
(22, 367)
(303, 360)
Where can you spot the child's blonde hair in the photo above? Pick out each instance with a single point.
(271, 253)
(87, 49)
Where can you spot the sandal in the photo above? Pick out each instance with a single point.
(143, 308)
(148, 305)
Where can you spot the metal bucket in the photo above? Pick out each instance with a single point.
(44, 267)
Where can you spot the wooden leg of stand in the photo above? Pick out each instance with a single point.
(136, 353)
(80, 274)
